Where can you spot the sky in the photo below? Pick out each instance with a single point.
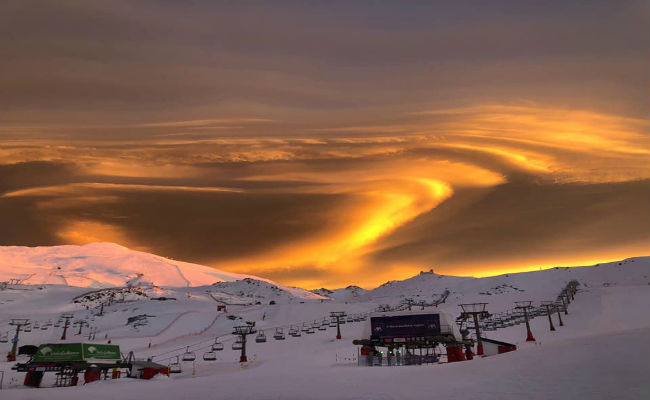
(322, 144)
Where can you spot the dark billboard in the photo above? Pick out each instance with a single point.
(416, 325)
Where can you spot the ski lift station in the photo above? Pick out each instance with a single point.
(68, 360)
(409, 337)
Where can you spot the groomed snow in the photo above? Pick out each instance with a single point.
(602, 352)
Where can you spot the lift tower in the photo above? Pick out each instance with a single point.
(67, 318)
(242, 331)
(475, 310)
(549, 311)
(18, 323)
(524, 306)
(338, 315)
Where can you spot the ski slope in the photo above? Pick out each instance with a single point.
(601, 352)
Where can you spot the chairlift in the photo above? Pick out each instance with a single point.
(189, 355)
(4, 338)
(304, 328)
(315, 324)
(217, 346)
(28, 328)
(279, 334)
(239, 343)
(175, 367)
(349, 319)
(323, 326)
(294, 331)
(210, 356)
(333, 323)
(43, 327)
(49, 323)
(261, 337)
(36, 325)
(310, 330)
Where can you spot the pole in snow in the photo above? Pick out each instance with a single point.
(549, 311)
(524, 306)
(338, 315)
(67, 318)
(242, 331)
(18, 323)
(476, 310)
(559, 314)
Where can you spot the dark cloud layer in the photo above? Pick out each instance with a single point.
(328, 143)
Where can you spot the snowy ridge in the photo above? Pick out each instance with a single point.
(609, 312)
(105, 265)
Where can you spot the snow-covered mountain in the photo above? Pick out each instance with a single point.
(349, 293)
(104, 265)
(173, 307)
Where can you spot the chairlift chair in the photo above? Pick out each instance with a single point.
(310, 330)
(217, 346)
(279, 334)
(238, 344)
(189, 355)
(349, 319)
(36, 325)
(304, 328)
(261, 337)
(210, 356)
(4, 338)
(333, 323)
(28, 328)
(323, 326)
(175, 367)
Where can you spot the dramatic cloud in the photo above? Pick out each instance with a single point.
(330, 143)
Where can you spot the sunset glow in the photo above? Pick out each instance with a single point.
(328, 158)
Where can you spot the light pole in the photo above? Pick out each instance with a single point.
(18, 323)
(338, 315)
(476, 310)
(524, 306)
(67, 318)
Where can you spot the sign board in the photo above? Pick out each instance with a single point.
(405, 326)
(62, 352)
(101, 352)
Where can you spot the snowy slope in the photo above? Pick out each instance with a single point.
(349, 293)
(601, 352)
(101, 265)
